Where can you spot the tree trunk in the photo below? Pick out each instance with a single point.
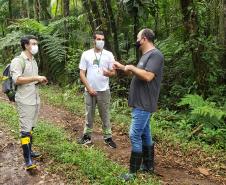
(98, 23)
(44, 13)
(37, 10)
(87, 8)
(66, 8)
(66, 13)
(96, 14)
(192, 34)
(225, 23)
(135, 32)
(186, 16)
(114, 29)
(106, 24)
(28, 10)
(10, 10)
(22, 9)
(224, 58)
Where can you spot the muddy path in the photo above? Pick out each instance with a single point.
(12, 170)
(172, 167)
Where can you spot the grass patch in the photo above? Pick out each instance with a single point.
(92, 163)
(74, 102)
(163, 124)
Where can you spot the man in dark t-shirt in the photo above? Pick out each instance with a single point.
(143, 98)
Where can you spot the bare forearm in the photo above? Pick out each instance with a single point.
(84, 81)
(122, 67)
(140, 73)
(25, 80)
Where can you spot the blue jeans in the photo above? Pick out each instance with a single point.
(140, 130)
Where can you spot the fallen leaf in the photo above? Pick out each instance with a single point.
(204, 171)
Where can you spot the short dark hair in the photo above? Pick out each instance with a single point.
(97, 33)
(149, 34)
(26, 39)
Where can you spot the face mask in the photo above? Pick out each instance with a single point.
(34, 49)
(100, 44)
(137, 44)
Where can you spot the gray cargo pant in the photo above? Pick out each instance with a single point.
(102, 99)
(28, 116)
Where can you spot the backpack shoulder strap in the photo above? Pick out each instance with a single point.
(22, 62)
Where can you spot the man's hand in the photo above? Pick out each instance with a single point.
(42, 79)
(128, 68)
(108, 73)
(118, 65)
(92, 92)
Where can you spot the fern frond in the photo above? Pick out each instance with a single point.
(193, 101)
(56, 51)
(2, 2)
(11, 39)
(202, 108)
(209, 111)
(28, 26)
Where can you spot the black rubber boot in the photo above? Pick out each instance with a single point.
(33, 154)
(25, 142)
(148, 159)
(135, 162)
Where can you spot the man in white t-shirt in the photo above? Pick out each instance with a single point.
(96, 66)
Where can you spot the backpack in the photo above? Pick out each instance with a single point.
(8, 86)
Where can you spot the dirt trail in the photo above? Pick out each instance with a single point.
(12, 165)
(171, 166)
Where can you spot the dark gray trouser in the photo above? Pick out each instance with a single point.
(28, 116)
(102, 99)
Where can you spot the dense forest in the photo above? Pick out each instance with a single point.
(190, 33)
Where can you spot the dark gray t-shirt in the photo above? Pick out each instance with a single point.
(143, 94)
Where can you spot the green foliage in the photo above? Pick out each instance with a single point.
(68, 97)
(202, 108)
(30, 26)
(71, 97)
(11, 40)
(143, 7)
(206, 120)
(52, 41)
(54, 47)
(177, 64)
(72, 66)
(57, 143)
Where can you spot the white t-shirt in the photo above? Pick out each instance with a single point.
(94, 63)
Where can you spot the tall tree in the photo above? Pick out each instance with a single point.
(44, 13)
(113, 28)
(191, 34)
(98, 22)
(36, 8)
(66, 8)
(87, 7)
(224, 58)
(10, 10)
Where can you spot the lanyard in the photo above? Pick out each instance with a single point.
(96, 61)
